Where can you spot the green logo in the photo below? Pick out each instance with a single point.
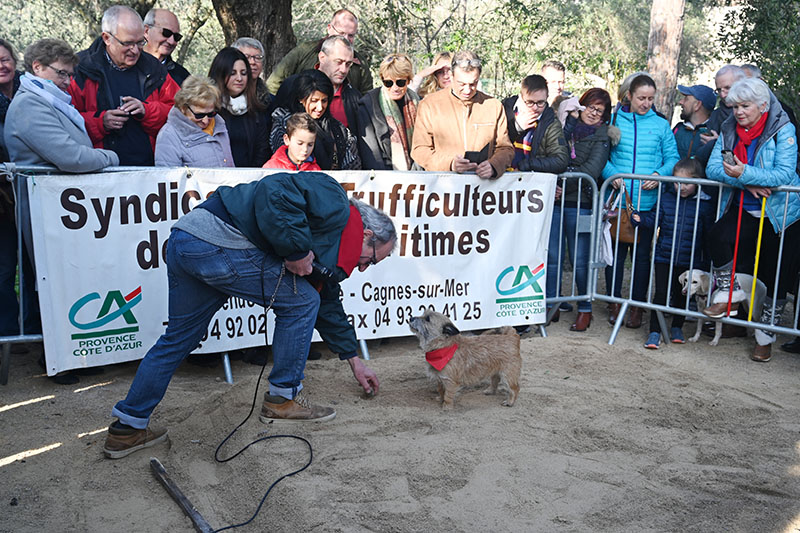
(524, 279)
(122, 309)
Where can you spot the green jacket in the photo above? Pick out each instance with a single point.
(305, 56)
(289, 214)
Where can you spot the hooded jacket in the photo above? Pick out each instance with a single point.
(181, 142)
(448, 126)
(548, 147)
(91, 94)
(280, 159)
(646, 146)
(288, 215)
(774, 164)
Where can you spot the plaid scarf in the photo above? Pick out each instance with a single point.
(400, 136)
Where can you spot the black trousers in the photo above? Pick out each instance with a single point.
(677, 299)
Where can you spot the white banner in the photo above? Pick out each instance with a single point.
(473, 249)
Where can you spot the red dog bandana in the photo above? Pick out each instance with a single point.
(438, 359)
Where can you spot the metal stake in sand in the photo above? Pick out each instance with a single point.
(758, 256)
(735, 253)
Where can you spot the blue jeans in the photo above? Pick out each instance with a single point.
(578, 254)
(201, 277)
(641, 266)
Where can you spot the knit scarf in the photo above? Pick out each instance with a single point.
(581, 131)
(746, 137)
(47, 90)
(237, 106)
(523, 146)
(400, 136)
(6, 101)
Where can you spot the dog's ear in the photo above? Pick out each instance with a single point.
(450, 330)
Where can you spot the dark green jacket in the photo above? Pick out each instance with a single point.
(305, 56)
(289, 214)
(548, 148)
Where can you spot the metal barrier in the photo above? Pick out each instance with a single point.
(585, 224)
(626, 301)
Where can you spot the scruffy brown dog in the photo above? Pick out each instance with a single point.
(457, 360)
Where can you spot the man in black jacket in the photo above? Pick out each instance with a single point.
(163, 32)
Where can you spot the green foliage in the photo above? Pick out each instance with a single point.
(767, 33)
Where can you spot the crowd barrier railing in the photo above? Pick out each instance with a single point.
(626, 297)
(572, 223)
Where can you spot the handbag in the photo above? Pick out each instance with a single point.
(621, 218)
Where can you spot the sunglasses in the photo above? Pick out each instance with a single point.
(201, 116)
(400, 83)
(169, 33)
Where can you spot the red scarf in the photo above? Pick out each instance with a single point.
(438, 359)
(746, 137)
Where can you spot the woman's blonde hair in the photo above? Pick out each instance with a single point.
(430, 84)
(197, 90)
(396, 66)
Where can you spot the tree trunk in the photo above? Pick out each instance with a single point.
(664, 49)
(269, 21)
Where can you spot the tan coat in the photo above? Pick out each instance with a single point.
(447, 127)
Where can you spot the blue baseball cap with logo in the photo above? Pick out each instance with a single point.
(704, 94)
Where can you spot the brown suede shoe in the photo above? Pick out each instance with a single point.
(299, 409)
(634, 318)
(583, 321)
(719, 310)
(762, 354)
(613, 313)
(122, 442)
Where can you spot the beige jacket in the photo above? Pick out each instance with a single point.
(447, 127)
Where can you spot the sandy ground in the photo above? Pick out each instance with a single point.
(602, 438)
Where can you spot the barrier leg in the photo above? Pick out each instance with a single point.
(364, 350)
(5, 362)
(662, 322)
(618, 323)
(226, 366)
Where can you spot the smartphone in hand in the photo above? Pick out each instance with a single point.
(727, 156)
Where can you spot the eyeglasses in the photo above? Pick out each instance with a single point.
(467, 63)
(201, 116)
(169, 33)
(63, 74)
(348, 36)
(6, 60)
(130, 44)
(257, 59)
(595, 110)
(400, 83)
(374, 259)
(538, 103)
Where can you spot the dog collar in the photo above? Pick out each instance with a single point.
(438, 359)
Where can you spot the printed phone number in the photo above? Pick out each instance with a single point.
(386, 316)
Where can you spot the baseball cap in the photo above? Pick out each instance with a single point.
(704, 94)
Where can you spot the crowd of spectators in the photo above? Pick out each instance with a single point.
(126, 101)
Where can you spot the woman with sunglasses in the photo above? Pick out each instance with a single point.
(335, 147)
(244, 114)
(195, 135)
(386, 118)
(433, 78)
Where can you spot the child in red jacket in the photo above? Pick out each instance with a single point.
(296, 153)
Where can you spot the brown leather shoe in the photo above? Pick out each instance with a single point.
(299, 409)
(613, 313)
(634, 318)
(583, 321)
(762, 354)
(719, 310)
(121, 442)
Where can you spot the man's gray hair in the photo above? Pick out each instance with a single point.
(736, 70)
(467, 61)
(749, 90)
(330, 42)
(150, 17)
(552, 63)
(248, 42)
(111, 17)
(751, 70)
(377, 221)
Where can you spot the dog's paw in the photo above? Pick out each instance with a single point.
(490, 391)
(507, 403)
(694, 339)
(713, 342)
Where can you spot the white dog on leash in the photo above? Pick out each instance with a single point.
(697, 283)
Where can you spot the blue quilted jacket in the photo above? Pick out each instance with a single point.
(647, 145)
(774, 164)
